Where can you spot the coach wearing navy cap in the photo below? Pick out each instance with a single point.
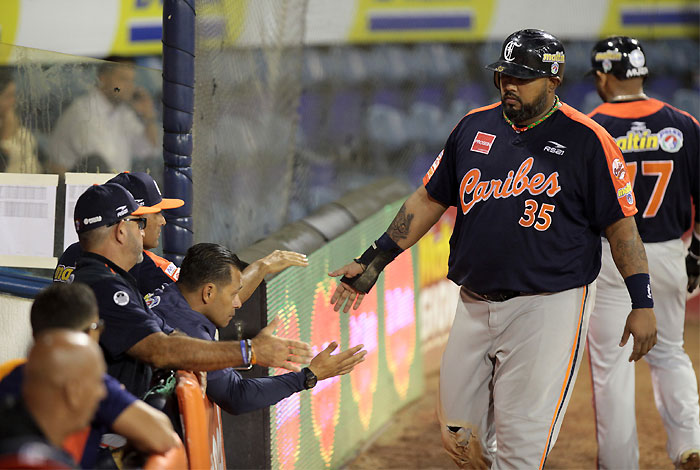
(153, 271)
(110, 230)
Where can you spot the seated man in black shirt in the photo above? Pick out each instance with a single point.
(62, 388)
(110, 230)
(206, 297)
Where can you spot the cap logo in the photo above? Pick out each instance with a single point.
(122, 211)
(157, 188)
(556, 57)
(139, 202)
(636, 58)
(608, 55)
(92, 220)
(508, 50)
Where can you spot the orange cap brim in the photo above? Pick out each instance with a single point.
(169, 204)
(142, 210)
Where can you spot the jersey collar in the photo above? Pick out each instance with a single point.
(109, 264)
(554, 107)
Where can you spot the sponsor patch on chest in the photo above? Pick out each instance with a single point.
(483, 142)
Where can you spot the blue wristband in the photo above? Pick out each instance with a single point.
(639, 288)
(244, 353)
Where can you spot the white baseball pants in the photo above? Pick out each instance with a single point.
(507, 375)
(672, 374)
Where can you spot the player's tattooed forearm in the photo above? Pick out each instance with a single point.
(631, 257)
(627, 247)
(401, 225)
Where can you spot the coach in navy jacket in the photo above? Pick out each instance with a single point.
(206, 297)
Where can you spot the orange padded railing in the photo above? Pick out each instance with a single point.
(202, 424)
(175, 458)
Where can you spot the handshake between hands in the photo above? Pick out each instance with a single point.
(273, 351)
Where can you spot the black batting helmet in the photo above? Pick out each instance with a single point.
(530, 53)
(621, 56)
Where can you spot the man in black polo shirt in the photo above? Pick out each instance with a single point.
(110, 232)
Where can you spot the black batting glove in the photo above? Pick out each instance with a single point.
(692, 263)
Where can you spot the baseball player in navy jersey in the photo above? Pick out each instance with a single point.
(660, 145)
(534, 187)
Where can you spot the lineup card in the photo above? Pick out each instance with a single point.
(27, 215)
(76, 184)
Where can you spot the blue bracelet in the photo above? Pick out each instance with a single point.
(244, 353)
(639, 288)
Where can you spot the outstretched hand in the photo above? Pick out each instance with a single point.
(344, 294)
(325, 365)
(641, 324)
(273, 351)
(280, 260)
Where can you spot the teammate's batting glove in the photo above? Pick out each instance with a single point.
(373, 260)
(692, 263)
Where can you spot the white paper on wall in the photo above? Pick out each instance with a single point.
(27, 220)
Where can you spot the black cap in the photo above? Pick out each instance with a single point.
(145, 190)
(621, 56)
(105, 204)
(530, 53)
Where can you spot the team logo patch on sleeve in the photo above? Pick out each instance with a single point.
(64, 274)
(121, 298)
(172, 271)
(483, 142)
(626, 192)
(152, 300)
(618, 169)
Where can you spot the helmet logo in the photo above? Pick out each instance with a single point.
(508, 50)
(636, 58)
(608, 55)
(555, 57)
(607, 65)
(555, 67)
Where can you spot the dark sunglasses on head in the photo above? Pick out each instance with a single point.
(98, 325)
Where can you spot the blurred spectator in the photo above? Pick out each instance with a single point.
(110, 231)
(61, 391)
(18, 147)
(109, 126)
(206, 297)
(74, 307)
